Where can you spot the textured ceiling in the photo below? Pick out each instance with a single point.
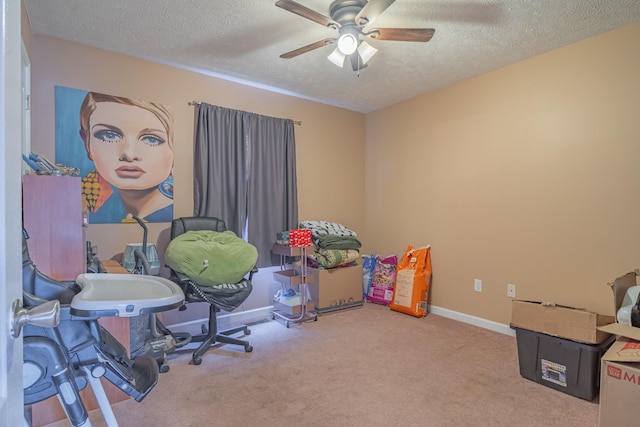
(242, 40)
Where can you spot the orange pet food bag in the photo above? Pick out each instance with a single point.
(413, 279)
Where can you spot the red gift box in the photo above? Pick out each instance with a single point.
(300, 238)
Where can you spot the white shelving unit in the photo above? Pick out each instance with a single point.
(294, 277)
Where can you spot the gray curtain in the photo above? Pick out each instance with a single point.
(245, 174)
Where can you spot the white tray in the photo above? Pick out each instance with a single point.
(124, 295)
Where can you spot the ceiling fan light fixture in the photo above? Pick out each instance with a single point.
(350, 18)
(366, 51)
(347, 43)
(337, 57)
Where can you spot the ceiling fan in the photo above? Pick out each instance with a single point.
(350, 17)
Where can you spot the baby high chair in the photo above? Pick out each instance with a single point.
(61, 360)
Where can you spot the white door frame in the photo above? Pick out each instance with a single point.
(11, 395)
(26, 106)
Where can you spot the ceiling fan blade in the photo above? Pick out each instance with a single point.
(356, 64)
(371, 10)
(307, 48)
(402, 34)
(305, 12)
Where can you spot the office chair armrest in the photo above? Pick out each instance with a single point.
(179, 278)
(252, 272)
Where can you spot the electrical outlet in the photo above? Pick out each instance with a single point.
(477, 285)
(511, 291)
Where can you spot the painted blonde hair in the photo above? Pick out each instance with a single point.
(92, 99)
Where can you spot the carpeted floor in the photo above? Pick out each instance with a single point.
(362, 367)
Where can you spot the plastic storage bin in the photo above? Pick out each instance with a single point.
(564, 365)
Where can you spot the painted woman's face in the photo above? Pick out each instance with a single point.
(129, 146)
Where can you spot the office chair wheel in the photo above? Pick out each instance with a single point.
(163, 368)
(196, 360)
(248, 348)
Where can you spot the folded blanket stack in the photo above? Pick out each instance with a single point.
(335, 244)
(324, 228)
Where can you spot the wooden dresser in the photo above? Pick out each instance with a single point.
(54, 217)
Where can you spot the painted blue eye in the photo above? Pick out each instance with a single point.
(152, 140)
(107, 136)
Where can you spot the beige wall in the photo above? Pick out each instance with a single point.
(525, 175)
(329, 144)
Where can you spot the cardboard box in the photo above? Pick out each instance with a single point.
(560, 321)
(336, 288)
(620, 371)
(562, 364)
(620, 385)
(619, 288)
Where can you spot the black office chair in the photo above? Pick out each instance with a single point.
(224, 297)
(73, 353)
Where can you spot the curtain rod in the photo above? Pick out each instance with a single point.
(194, 103)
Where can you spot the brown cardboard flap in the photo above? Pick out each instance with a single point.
(565, 322)
(620, 286)
(621, 330)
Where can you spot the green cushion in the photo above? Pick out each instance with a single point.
(211, 258)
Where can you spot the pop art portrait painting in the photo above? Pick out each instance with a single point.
(124, 150)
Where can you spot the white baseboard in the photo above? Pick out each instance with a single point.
(261, 313)
(239, 317)
(473, 320)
